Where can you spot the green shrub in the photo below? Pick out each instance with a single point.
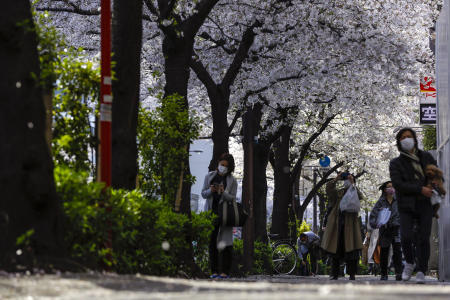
(146, 235)
(304, 227)
(262, 263)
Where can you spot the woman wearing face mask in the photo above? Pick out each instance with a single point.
(389, 233)
(220, 185)
(413, 198)
(342, 234)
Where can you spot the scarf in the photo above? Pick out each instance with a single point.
(415, 161)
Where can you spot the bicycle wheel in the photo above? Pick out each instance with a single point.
(284, 258)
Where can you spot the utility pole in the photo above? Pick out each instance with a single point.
(315, 202)
(104, 164)
(105, 94)
(247, 191)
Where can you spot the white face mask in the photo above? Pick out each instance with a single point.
(347, 183)
(407, 144)
(222, 170)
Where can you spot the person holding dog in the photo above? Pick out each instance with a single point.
(435, 180)
(413, 197)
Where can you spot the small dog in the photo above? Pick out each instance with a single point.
(435, 181)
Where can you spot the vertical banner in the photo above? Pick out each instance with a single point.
(428, 109)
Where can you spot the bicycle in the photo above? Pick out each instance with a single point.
(284, 255)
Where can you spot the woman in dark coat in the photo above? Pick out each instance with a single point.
(389, 232)
(342, 235)
(414, 204)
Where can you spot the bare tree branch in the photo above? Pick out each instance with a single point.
(319, 185)
(307, 145)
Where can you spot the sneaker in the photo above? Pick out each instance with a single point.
(420, 277)
(384, 277)
(214, 276)
(407, 271)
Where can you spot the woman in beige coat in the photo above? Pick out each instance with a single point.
(342, 236)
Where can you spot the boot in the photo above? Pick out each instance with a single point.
(334, 269)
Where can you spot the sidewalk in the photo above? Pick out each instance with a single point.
(131, 287)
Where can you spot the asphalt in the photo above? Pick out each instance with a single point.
(131, 287)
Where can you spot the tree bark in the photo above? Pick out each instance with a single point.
(126, 46)
(29, 199)
(283, 187)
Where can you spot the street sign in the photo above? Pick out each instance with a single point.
(428, 110)
(428, 113)
(324, 161)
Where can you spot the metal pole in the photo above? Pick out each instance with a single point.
(247, 191)
(315, 202)
(104, 164)
(105, 94)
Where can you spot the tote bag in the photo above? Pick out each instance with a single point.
(350, 201)
(232, 214)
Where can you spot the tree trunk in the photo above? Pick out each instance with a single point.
(220, 133)
(261, 159)
(126, 46)
(29, 199)
(177, 53)
(283, 187)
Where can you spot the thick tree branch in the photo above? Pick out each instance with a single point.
(299, 75)
(152, 8)
(247, 41)
(203, 9)
(203, 74)
(235, 119)
(75, 10)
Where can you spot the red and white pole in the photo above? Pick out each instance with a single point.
(105, 95)
(104, 164)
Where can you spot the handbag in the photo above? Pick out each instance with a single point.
(350, 201)
(232, 214)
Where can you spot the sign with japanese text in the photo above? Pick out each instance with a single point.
(428, 113)
(428, 100)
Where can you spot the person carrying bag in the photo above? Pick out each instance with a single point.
(219, 190)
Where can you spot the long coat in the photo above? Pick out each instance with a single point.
(225, 233)
(352, 229)
(408, 188)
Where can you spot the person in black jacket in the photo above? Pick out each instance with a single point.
(413, 196)
(389, 232)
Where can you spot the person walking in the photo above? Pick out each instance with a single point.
(413, 197)
(342, 236)
(389, 229)
(220, 185)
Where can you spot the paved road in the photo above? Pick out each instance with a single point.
(111, 286)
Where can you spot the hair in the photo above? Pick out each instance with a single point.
(399, 134)
(230, 159)
(303, 235)
(383, 186)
